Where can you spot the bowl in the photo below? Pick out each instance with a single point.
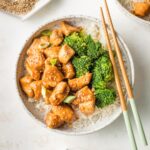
(38, 6)
(101, 122)
(130, 15)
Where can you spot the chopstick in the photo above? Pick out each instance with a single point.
(126, 80)
(118, 85)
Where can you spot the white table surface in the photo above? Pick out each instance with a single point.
(18, 131)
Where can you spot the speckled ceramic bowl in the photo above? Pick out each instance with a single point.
(130, 15)
(104, 120)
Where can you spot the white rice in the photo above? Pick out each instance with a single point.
(128, 4)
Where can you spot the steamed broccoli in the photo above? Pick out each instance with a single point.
(77, 42)
(97, 79)
(102, 74)
(84, 45)
(104, 65)
(82, 65)
(93, 48)
(106, 68)
(105, 97)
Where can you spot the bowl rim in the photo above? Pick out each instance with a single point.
(118, 113)
(126, 12)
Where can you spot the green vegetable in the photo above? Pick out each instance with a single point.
(44, 45)
(102, 75)
(53, 62)
(84, 45)
(93, 48)
(105, 97)
(46, 33)
(43, 92)
(104, 67)
(77, 42)
(82, 65)
(69, 99)
(97, 78)
(97, 83)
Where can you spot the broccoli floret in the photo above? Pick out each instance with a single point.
(93, 48)
(102, 72)
(105, 97)
(103, 64)
(97, 79)
(106, 68)
(82, 65)
(77, 42)
(84, 45)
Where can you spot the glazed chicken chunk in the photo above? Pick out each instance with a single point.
(36, 87)
(52, 52)
(85, 99)
(53, 121)
(68, 29)
(141, 9)
(77, 83)
(59, 115)
(38, 44)
(34, 73)
(65, 112)
(25, 84)
(87, 108)
(65, 54)
(60, 92)
(51, 76)
(35, 65)
(68, 70)
(36, 61)
(56, 37)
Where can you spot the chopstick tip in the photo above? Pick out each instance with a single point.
(101, 9)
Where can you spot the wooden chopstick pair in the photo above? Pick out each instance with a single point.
(126, 81)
